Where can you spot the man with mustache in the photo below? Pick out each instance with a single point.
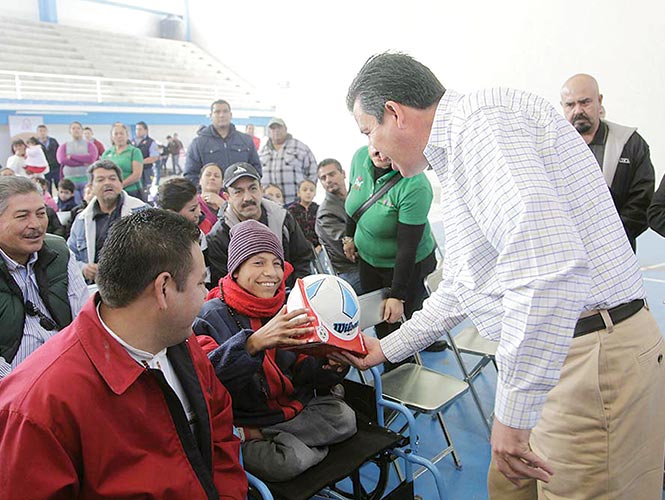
(243, 184)
(623, 155)
(41, 287)
(91, 226)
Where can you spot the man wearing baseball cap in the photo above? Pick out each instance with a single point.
(243, 185)
(286, 161)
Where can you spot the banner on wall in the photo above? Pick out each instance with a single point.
(23, 125)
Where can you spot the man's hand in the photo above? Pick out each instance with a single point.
(90, 271)
(374, 356)
(393, 310)
(513, 456)
(350, 250)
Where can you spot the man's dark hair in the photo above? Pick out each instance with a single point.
(41, 126)
(12, 185)
(67, 184)
(219, 101)
(143, 124)
(330, 161)
(141, 246)
(393, 77)
(87, 128)
(75, 123)
(174, 193)
(106, 165)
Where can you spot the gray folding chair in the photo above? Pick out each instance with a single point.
(468, 341)
(422, 390)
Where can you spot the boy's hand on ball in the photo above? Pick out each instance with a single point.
(284, 330)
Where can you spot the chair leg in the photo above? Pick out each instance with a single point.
(458, 463)
(468, 380)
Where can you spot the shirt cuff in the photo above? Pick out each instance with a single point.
(518, 409)
(5, 368)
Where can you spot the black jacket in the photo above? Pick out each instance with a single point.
(656, 213)
(209, 147)
(633, 185)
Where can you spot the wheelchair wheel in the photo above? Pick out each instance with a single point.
(382, 464)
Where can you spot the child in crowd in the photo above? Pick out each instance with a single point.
(48, 199)
(35, 161)
(6, 171)
(304, 212)
(274, 193)
(17, 161)
(66, 199)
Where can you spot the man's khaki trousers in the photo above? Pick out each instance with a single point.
(603, 426)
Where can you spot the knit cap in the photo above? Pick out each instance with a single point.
(249, 238)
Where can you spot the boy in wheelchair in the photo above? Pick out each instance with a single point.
(282, 404)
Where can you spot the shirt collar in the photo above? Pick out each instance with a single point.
(440, 136)
(13, 266)
(97, 211)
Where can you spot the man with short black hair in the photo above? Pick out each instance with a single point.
(76, 156)
(123, 403)
(150, 151)
(246, 201)
(91, 226)
(331, 220)
(219, 143)
(41, 287)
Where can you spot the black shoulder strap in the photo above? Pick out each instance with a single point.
(375, 197)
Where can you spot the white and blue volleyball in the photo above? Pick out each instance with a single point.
(332, 301)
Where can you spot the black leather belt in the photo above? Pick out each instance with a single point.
(618, 314)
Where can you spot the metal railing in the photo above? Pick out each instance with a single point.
(29, 86)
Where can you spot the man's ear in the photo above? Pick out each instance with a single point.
(395, 111)
(161, 289)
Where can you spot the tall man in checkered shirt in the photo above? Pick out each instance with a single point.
(537, 258)
(286, 161)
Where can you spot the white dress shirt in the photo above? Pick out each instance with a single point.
(532, 240)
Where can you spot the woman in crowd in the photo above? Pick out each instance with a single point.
(178, 195)
(17, 161)
(304, 211)
(212, 197)
(128, 158)
(391, 240)
(285, 425)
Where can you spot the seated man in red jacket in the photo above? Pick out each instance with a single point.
(122, 403)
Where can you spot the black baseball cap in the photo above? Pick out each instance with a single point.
(238, 170)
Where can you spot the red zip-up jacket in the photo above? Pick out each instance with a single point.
(80, 419)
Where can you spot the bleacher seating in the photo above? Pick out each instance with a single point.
(52, 62)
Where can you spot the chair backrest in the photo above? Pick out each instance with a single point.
(324, 261)
(433, 280)
(371, 307)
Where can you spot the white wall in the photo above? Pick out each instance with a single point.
(318, 47)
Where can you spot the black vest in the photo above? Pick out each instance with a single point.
(144, 145)
(53, 282)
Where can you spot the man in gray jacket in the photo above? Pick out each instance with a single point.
(92, 225)
(331, 221)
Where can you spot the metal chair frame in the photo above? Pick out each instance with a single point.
(421, 389)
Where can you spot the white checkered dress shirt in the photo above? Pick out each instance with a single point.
(532, 240)
(288, 166)
(33, 334)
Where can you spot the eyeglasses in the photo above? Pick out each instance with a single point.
(44, 321)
